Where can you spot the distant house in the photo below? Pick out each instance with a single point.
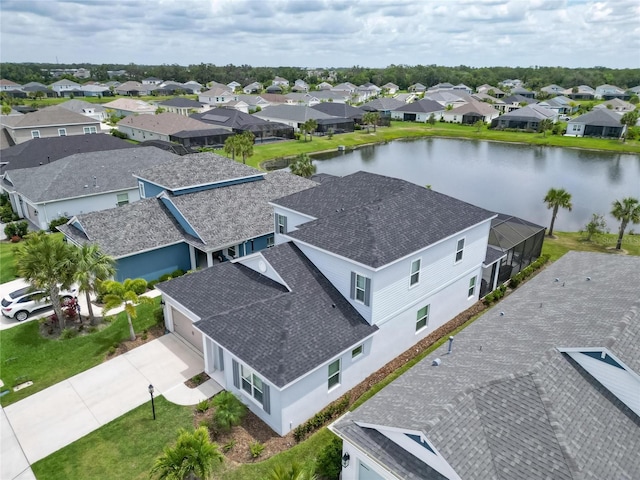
(218, 96)
(79, 183)
(440, 86)
(526, 118)
(581, 92)
(514, 102)
(274, 89)
(183, 106)
(419, 111)
(8, 85)
(324, 86)
(95, 91)
(608, 92)
(470, 113)
(279, 81)
(553, 89)
(199, 210)
(240, 122)
(560, 104)
(233, 85)
(341, 110)
(417, 88)
(192, 87)
(134, 89)
(300, 98)
(511, 83)
(52, 121)
(253, 87)
(130, 106)
(523, 92)
(617, 105)
(300, 86)
(382, 105)
(390, 88)
(64, 86)
(296, 115)
(494, 92)
(461, 87)
(91, 110)
(32, 88)
(158, 127)
(600, 122)
(336, 96)
(447, 98)
(345, 87)
(151, 81)
(406, 97)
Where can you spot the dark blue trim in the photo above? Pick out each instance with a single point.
(418, 439)
(607, 358)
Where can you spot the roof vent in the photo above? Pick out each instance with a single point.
(502, 314)
(436, 362)
(557, 280)
(588, 279)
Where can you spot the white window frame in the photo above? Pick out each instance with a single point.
(459, 250)
(89, 130)
(62, 132)
(415, 273)
(422, 318)
(282, 224)
(141, 189)
(360, 290)
(120, 202)
(270, 241)
(35, 133)
(472, 286)
(249, 384)
(357, 352)
(334, 375)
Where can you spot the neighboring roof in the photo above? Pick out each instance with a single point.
(131, 105)
(374, 220)
(513, 99)
(66, 82)
(166, 123)
(618, 104)
(45, 150)
(80, 106)
(507, 403)
(272, 325)
(294, 113)
(480, 108)
(50, 116)
(383, 104)
(172, 147)
(421, 106)
(131, 228)
(8, 83)
(230, 118)
(195, 170)
(181, 102)
(530, 112)
(73, 176)
(342, 110)
(600, 117)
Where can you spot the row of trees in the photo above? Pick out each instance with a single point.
(402, 75)
(240, 144)
(626, 211)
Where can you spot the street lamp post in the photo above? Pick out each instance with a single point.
(153, 407)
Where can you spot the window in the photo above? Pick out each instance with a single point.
(361, 285)
(88, 130)
(356, 352)
(62, 132)
(472, 286)
(123, 199)
(459, 250)
(334, 374)
(141, 188)
(231, 252)
(270, 241)
(422, 318)
(360, 288)
(415, 273)
(281, 223)
(576, 128)
(35, 133)
(251, 383)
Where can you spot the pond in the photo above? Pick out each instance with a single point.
(502, 177)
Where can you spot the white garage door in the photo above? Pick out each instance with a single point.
(367, 473)
(184, 327)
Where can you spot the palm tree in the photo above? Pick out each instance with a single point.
(557, 198)
(630, 119)
(125, 293)
(310, 126)
(229, 410)
(303, 166)
(371, 118)
(92, 267)
(246, 145)
(545, 124)
(627, 211)
(291, 472)
(47, 263)
(232, 146)
(193, 457)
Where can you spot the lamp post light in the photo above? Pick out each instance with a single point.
(345, 460)
(153, 407)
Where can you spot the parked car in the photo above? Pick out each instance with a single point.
(21, 303)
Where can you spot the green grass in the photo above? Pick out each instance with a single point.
(25, 354)
(124, 448)
(47, 102)
(565, 241)
(7, 262)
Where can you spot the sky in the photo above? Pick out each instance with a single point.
(323, 33)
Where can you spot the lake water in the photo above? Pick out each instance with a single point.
(501, 177)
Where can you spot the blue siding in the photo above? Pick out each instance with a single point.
(179, 218)
(153, 264)
(255, 245)
(216, 185)
(151, 189)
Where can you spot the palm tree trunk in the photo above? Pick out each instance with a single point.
(553, 220)
(623, 226)
(90, 308)
(57, 308)
(132, 333)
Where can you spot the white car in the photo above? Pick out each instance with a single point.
(21, 303)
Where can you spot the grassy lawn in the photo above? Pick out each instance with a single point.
(565, 241)
(26, 355)
(7, 263)
(47, 102)
(107, 453)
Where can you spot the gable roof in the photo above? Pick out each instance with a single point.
(80, 106)
(294, 113)
(600, 117)
(530, 111)
(131, 105)
(383, 104)
(421, 106)
(50, 116)
(273, 325)
(66, 82)
(181, 103)
(374, 220)
(480, 108)
(45, 150)
(165, 123)
(195, 170)
(342, 110)
(73, 176)
(507, 403)
(229, 118)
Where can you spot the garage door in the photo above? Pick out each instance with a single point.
(183, 326)
(367, 473)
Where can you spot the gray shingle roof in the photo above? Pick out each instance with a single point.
(50, 116)
(506, 404)
(599, 117)
(79, 106)
(533, 112)
(421, 106)
(45, 150)
(383, 104)
(181, 103)
(165, 123)
(272, 326)
(67, 177)
(196, 169)
(294, 113)
(341, 110)
(375, 220)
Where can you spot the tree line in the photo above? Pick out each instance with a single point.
(402, 75)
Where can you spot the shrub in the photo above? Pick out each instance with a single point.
(165, 277)
(329, 461)
(22, 228)
(357, 126)
(203, 406)
(10, 230)
(229, 411)
(57, 222)
(256, 449)
(117, 133)
(7, 214)
(177, 273)
(139, 285)
(158, 315)
(515, 281)
(152, 284)
(197, 379)
(68, 333)
(229, 445)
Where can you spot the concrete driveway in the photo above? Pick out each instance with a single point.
(53, 418)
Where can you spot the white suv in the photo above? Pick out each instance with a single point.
(21, 303)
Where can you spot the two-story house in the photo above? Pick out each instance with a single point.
(217, 96)
(364, 267)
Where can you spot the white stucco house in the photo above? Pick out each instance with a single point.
(363, 267)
